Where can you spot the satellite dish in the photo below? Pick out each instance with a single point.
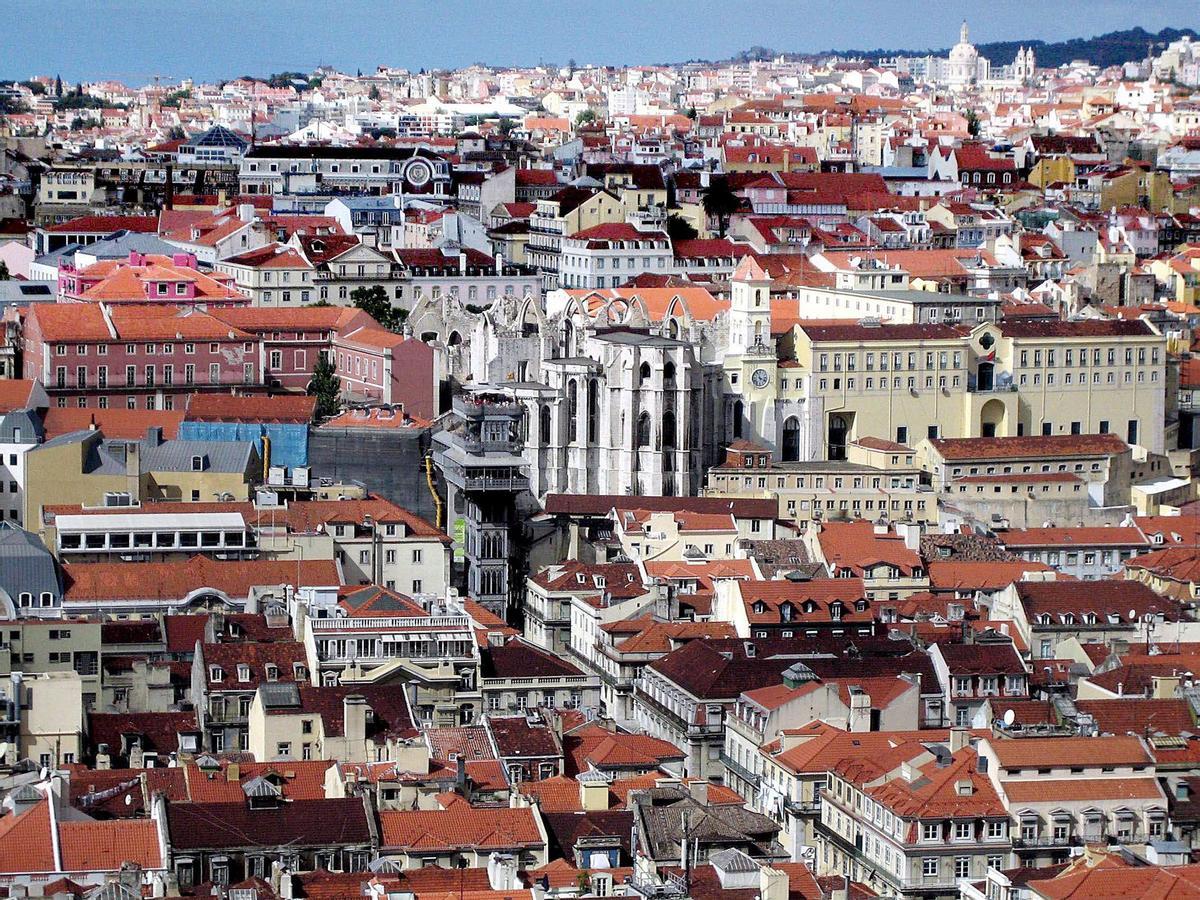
(1009, 718)
(1133, 615)
(129, 800)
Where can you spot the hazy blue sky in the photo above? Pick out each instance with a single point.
(208, 39)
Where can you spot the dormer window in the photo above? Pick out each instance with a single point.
(272, 672)
(197, 463)
(760, 607)
(215, 673)
(243, 672)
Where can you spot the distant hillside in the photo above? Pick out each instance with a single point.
(1110, 49)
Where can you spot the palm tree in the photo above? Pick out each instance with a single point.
(720, 202)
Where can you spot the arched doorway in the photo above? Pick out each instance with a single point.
(791, 440)
(992, 418)
(839, 428)
(985, 379)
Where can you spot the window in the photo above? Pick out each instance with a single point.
(929, 867)
(283, 748)
(962, 866)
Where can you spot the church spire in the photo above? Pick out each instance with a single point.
(964, 35)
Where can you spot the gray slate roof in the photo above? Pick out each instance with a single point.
(26, 566)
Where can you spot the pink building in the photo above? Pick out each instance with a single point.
(97, 356)
(142, 279)
(292, 338)
(376, 365)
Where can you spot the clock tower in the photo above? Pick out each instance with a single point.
(750, 306)
(751, 353)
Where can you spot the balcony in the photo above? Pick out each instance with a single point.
(471, 408)
(1001, 383)
(433, 623)
(1040, 841)
(483, 479)
(803, 807)
(739, 770)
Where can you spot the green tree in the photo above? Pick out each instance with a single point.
(373, 94)
(506, 126)
(374, 302)
(585, 117)
(680, 229)
(692, 114)
(325, 387)
(57, 86)
(972, 123)
(720, 202)
(4, 273)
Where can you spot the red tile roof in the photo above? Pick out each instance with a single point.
(1029, 446)
(251, 408)
(105, 846)
(173, 581)
(106, 225)
(459, 827)
(121, 424)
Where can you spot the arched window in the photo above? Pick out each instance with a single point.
(791, 439)
(668, 429)
(454, 340)
(593, 411)
(644, 373)
(572, 409)
(568, 338)
(737, 418)
(643, 430)
(544, 426)
(669, 374)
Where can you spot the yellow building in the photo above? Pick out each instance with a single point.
(1179, 274)
(1087, 377)
(865, 485)
(82, 468)
(1051, 169)
(51, 731)
(569, 211)
(359, 724)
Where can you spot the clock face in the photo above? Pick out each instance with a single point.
(760, 378)
(418, 173)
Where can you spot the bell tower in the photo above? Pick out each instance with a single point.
(750, 307)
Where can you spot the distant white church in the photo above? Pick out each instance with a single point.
(965, 66)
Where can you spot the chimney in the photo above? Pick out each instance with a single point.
(354, 719)
(1165, 687)
(959, 738)
(773, 884)
(135, 756)
(593, 791)
(103, 760)
(860, 710)
(245, 212)
(699, 791)
(154, 435)
(462, 262)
